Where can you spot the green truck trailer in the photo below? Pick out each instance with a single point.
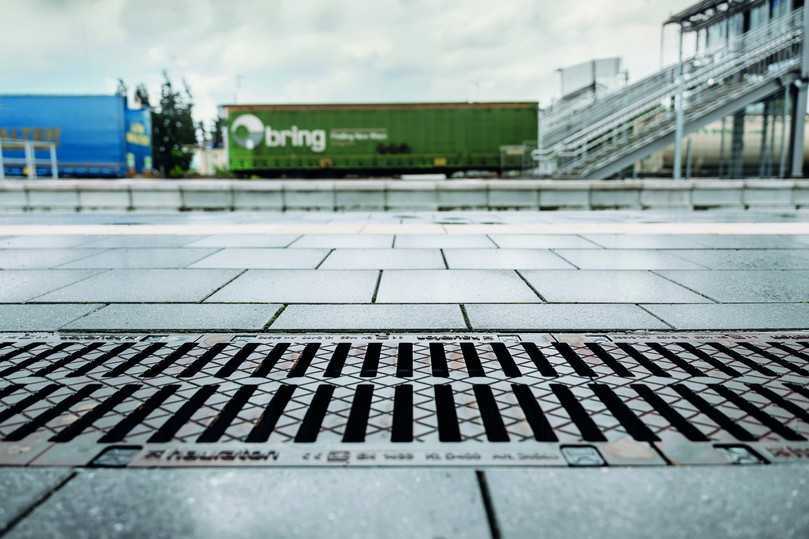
(372, 139)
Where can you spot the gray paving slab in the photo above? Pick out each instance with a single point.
(145, 240)
(562, 317)
(163, 316)
(542, 241)
(765, 241)
(735, 316)
(627, 259)
(608, 286)
(444, 241)
(344, 241)
(741, 286)
(300, 503)
(245, 240)
(747, 259)
(737, 502)
(141, 258)
(41, 258)
(23, 488)
(45, 242)
(384, 259)
(144, 286)
(264, 258)
(504, 259)
(646, 241)
(23, 285)
(300, 286)
(41, 317)
(453, 286)
(370, 317)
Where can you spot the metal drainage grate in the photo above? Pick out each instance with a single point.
(425, 401)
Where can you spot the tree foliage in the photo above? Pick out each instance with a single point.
(173, 130)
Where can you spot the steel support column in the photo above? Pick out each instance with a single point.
(799, 95)
(679, 106)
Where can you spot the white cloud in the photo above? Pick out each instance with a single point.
(299, 50)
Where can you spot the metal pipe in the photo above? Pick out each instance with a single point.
(30, 162)
(679, 112)
(782, 170)
(54, 166)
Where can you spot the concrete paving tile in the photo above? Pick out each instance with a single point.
(766, 241)
(22, 488)
(605, 286)
(144, 286)
(735, 316)
(646, 241)
(300, 286)
(453, 286)
(542, 241)
(504, 259)
(625, 259)
(344, 241)
(384, 259)
(141, 258)
(264, 258)
(162, 316)
(439, 241)
(741, 286)
(245, 240)
(296, 503)
(742, 502)
(41, 258)
(748, 259)
(146, 240)
(23, 285)
(565, 317)
(370, 317)
(40, 317)
(45, 242)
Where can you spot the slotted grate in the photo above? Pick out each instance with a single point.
(641, 401)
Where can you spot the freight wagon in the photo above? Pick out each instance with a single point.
(94, 135)
(369, 139)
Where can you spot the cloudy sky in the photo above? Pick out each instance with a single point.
(323, 51)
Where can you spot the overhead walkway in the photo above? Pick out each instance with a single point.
(601, 140)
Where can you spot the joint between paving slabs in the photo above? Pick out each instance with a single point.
(27, 512)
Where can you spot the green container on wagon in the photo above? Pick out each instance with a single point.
(376, 139)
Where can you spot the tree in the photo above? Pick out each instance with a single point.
(217, 133)
(142, 97)
(173, 130)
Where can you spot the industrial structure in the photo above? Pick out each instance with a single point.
(747, 53)
(334, 140)
(73, 136)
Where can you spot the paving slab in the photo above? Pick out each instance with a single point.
(677, 502)
(370, 317)
(245, 240)
(646, 241)
(22, 488)
(166, 317)
(453, 286)
(45, 242)
(262, 503)
(41, 317)
(626, 259)
(264, 258)
(41, 258)
(141, 258)
(734, 316)
(334, 241)
(144, 286)
(145, 240)
(504, 259)
(443, 241)
(607, 286)
(561, 317)
(542, 241)
(745, 286)
(23, 285)
(747, 259)
(765, 241)
(300, 286)
(384, 259)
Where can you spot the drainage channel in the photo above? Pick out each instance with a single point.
(402, 400)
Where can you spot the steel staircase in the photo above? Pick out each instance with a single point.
(601, 140)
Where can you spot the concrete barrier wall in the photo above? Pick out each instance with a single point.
(397, 195)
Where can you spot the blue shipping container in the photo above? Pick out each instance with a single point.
(94, 135)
